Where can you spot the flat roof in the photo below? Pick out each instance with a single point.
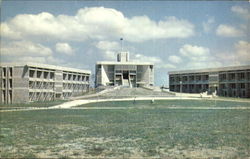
(219, 69)
(46, 66)
(122, 63)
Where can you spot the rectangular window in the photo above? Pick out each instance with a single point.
(69, 76)
(45, 75)
(184, 78)
(232, 76)
(10, 83)
(10, 70)
(4, 72)
(64, 76)
(242, 85)
(4, 96)
(31, 73)
(171, 79)
(198, 78)
(233, 86)
(39, 74)
(52, 74)
(10, 96)
(31, 84)
(191, 78)
(4, 83)
(111, 68)
(30, 96)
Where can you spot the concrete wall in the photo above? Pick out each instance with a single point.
(20, 85)
(58, 84)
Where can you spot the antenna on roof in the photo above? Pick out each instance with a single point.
(121, 39)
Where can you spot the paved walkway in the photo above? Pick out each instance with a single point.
(86, 101)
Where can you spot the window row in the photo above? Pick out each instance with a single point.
(233, 86)
(41, 74)
(7, 83)
(74, 86)
(188, 78)
(72, 77)
(41, 85)
(234, 76)
(7, 71)
(7, 96)
(41, 96)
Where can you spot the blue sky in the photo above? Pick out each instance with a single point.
(173, 35)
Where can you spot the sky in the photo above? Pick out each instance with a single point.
(174, 35)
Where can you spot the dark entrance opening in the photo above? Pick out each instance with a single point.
(125, 74)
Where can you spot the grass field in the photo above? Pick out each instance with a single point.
(156, 132)
(39, 104)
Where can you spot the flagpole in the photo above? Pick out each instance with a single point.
(121, 43)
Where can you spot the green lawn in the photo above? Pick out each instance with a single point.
(158, 132)
(171, 103)
(31, 104)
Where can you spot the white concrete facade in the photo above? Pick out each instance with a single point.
(27, 82)
(124, 73)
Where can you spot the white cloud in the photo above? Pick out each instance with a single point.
(141, 28)
(26, 51)
(166, 66)
(107, 45)
(242, 51)
(228, 31)
(64, 48)
(54, 60)
(24, 48)
(210, 63)
(144, 58)
(239, 56)
(192, 50)
(108, 49)
(208, 25)
(198, 57)
(175, 59)
(109, 55)
(30, 59)
(242, 12)
(95, 23)
(6, 31)
(152, 59)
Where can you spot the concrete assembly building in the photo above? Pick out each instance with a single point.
(123, 72)
(226, 81)
(39, 82)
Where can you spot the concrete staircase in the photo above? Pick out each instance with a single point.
(126, 83)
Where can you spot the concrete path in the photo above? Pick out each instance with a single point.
(86, 101)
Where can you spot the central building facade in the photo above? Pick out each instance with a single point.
(124, 73)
